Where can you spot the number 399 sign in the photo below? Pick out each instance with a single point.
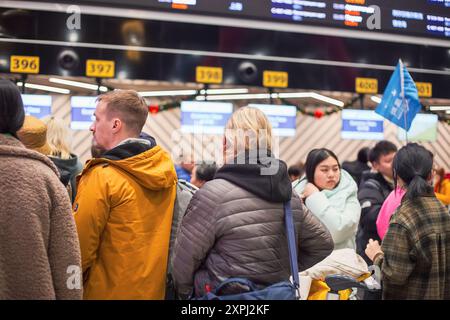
(275, 79)
(24, 64)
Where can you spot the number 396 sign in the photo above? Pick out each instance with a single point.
(24, 64)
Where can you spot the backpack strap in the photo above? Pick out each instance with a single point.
(375, 184)
(298, 182)
(292, 246)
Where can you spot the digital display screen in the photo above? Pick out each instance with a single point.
(362, 125)
(205, 117)
(83, 109)
(282, 118)
(37, 105)
(423, 128)
(409, 17)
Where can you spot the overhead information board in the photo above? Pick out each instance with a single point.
(362, 125)
(423, 128)
(205, 117)
(37, 105)
(83, 108)
(282, 118)
(408, 17)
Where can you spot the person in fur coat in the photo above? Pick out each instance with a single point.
(39, 248)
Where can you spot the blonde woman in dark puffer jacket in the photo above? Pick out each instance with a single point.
(234, 224)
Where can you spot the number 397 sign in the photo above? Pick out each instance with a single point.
(24, 64)
(100, 68)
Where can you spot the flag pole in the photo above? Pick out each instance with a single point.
(404, 101)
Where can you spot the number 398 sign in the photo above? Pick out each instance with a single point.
(24, 64)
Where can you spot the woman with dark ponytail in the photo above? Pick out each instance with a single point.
(414, 168)
(415, 254)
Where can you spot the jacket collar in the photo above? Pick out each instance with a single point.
(10, 146)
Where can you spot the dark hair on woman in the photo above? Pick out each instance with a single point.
(313, 159)
(12, 113)
(413, 163)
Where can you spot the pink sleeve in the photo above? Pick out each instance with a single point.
(387, 210)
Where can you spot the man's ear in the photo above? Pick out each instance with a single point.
(375, 165)
(117, 125)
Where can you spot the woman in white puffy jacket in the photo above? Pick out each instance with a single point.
(330, 193)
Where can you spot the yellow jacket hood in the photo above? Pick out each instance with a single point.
(153, 169)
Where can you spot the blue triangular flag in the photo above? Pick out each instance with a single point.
(400, 102)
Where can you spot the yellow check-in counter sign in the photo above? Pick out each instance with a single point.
(209, 74)
(100, 68)
(366, 85)
(275, 79)
(425, 89)
(24, 64)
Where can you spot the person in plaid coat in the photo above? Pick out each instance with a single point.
(415, 253)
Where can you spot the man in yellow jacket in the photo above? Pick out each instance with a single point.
(442, 186)
(124, 205)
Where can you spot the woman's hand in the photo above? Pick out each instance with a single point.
(373, 248)
(309, 190)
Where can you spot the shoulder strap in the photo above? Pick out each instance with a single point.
(298, 182)
(292, 246)
(375, 184)
(186, 186)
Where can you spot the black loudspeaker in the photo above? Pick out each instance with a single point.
(248, 72)
(68, 60)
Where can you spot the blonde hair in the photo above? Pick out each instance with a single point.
(58, 137)
(247, 129)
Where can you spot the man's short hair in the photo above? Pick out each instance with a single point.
(129, 106)
(296, 170)
(206, 171)
(382, 148)
(363, 154)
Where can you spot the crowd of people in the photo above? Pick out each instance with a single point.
(105, 229)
